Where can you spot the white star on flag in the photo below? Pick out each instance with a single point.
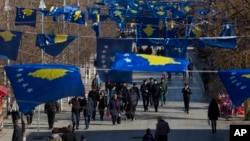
(127, 60)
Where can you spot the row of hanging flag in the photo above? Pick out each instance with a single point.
(52, 44)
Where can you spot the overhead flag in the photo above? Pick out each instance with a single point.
(55, 12)
(25, 16)
(220, 42)
(237, 83)
(53, 44)
(75, 17)
(106, 50)
(9, 44)
(34, 84)
(92, 12)
(143, 62)
(147, 30)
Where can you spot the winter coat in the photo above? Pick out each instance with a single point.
(156, 91)
(114, 107)
(51, 106)
(133, 99)
(17, 133)
(88, 106)
(213, 110)
(76, 104)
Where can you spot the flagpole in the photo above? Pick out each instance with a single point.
(41, 6)
(7, 8)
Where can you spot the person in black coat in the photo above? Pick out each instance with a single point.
(132, 103)
(51, 108)
(145, 95)
(156, 92)
(94, 95)
(186, 91)
(75, 104)
(102, 104)
(88, 106)
(17, 133)
(213, 113)
(114, 109)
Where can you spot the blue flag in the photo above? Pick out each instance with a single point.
(25, 16)
(143, 62)
(34, 84)
(147, 29)
(237, 84)
(9, 44)
(56, 12)
(106, 50)
(75, 17)
(53, 44)
(92, 12)
(220, 42)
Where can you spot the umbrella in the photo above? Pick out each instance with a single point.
(4, 90)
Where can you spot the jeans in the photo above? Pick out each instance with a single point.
(87, 120)
(75, 116)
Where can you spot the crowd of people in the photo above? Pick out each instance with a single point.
(116, 101)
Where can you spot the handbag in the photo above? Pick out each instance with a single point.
(107, 114)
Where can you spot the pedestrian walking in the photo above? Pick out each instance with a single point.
(114, 109)
(145, 95)
(29, 117)
(164, 91)
(54, 135)
(15, 114)
(213, 114)
(150, 86)
(75, 104)
(205, 78)
(51, 108)
(135, 89)
(17, 132)
(186, 91)
(88, 106)
(94, 95)
(190, 68)
(132, 103)
(102, 104)
(162, 130)
(148, 136)
(156, 92)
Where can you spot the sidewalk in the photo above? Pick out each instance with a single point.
(184, 127)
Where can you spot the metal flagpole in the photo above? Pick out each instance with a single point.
(41, 6)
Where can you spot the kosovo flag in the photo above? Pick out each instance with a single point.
(76, 17)
(55, 12)
(9, 44)
(147, 29)
(106, 50)
(237, 83)
(34, 84)
(53, 44)
(92, 12)
(25, 16)
(117, 15)
(143, 62)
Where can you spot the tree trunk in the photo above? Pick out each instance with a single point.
(247, 109)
